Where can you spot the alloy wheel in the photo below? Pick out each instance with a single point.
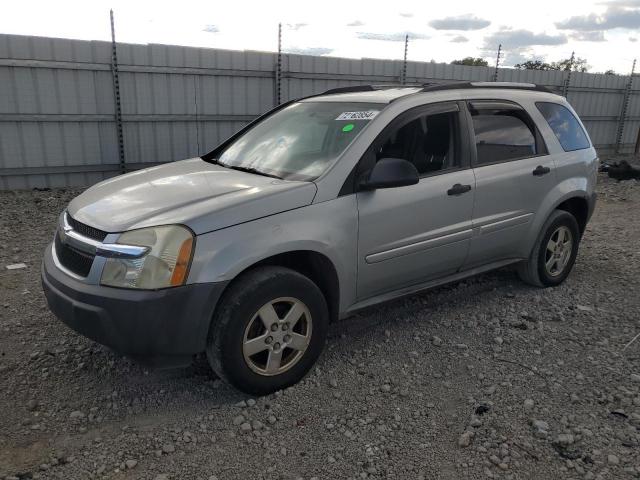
(558, 252)
(277, 336)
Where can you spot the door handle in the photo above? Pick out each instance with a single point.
(458, 189)
(540, 170)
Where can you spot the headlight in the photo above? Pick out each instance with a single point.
(165, 265)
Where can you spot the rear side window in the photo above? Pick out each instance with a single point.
(565, 126)
(503, 134)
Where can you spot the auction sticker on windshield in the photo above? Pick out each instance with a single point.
(368, 115)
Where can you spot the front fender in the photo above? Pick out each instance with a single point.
(328, 228)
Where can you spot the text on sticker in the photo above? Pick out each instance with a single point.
(368, 115)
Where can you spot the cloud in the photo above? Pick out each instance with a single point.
(633, 39)
(596, 36)
(459, 39)
(516, 44)
(211, 29)
(391, 37)
(462, 22)
(513, 39)
(356, 23)
(514, 57)
(317, 51)
(406, 15)
(622, 3)
(615, 16)
(296, 26)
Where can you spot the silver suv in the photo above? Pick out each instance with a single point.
(321, 207)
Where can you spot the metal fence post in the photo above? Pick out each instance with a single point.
(625, 105)
(403, 74)
(116, 96)
(565, 89)
(278, 85)
(195, 104)
(495, 74)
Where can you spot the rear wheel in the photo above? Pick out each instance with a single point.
(555, 252)
(268, 330)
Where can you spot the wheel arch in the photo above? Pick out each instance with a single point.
(571, 196)
(312, 264)
(578, 206)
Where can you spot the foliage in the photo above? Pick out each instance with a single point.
(534, 65)
(471, 61)
(578, 65)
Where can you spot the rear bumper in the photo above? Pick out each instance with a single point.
(160, 327)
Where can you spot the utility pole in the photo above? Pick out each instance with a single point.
(403, 75)
(278, 85)
(625, 106)
(116, 95)
(567, 82)
(495, 74)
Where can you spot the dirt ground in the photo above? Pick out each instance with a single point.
(486, 378)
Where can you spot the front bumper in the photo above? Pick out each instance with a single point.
(157, 327)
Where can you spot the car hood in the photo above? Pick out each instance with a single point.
(201, 195)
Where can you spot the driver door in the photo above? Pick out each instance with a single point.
(411, 234)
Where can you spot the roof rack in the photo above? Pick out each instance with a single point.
(431, 87)
(367, 88)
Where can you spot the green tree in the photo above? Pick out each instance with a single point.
(534, 65)
(578, 65)
(471, 61)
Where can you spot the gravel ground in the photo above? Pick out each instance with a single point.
(486, 378)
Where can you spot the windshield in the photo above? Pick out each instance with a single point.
(300, 141)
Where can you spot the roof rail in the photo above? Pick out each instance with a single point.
(367, 88)
(355, 88)
(431, 87)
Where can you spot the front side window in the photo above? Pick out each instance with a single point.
(300, 141)
(569, 132)
(427, 141)
(502, 135)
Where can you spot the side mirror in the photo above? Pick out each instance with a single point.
(390, 173)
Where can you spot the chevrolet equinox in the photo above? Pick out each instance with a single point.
(321, 207)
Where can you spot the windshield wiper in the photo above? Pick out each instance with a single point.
(249, 170)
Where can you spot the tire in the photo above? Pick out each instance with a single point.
(535, 270)
(243, 351)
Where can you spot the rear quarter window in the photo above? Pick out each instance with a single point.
(565, 126)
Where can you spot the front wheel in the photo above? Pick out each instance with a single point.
(555, 252)
(268, 330)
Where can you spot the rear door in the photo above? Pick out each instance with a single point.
(513, 172)
(411, 234)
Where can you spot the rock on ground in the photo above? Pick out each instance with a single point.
(486, 378)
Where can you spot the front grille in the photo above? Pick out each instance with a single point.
(73, 260)
(86, 230)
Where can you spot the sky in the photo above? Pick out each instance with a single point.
(606, 33)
